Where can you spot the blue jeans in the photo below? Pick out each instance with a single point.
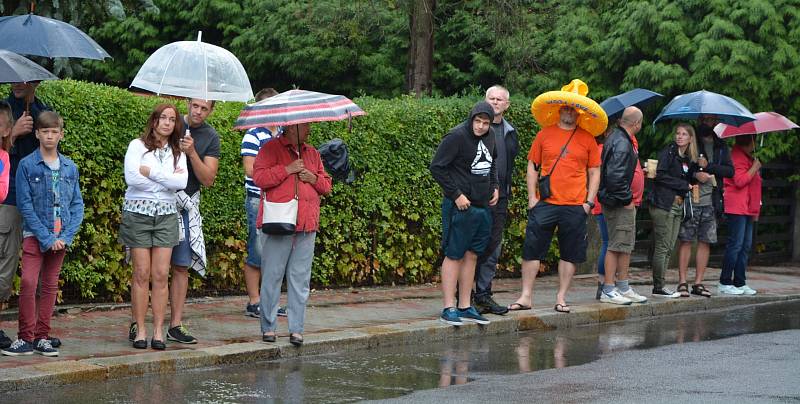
(253, 232)
(601, 258)
(737, 253)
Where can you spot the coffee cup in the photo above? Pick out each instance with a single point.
(651, 165)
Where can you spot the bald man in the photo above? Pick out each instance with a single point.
(619, 160)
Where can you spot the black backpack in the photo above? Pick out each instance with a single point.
(336, 160)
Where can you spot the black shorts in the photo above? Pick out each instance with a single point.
(542, 222)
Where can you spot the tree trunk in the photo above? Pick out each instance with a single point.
(419, 75)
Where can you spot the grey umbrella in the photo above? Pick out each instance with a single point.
(35, 35)
(15, 68)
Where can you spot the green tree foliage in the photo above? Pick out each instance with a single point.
(743, 49)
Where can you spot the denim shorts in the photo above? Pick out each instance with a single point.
(253, 233)
(182, 253)
(543, 220)
(142, 231)
(464, 230)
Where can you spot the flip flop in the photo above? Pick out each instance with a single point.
(517, 307)
(561, 308)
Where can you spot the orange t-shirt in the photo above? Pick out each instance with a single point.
(568, 183)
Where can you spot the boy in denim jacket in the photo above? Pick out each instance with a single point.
(49, 200)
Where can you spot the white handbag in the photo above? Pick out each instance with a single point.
(279, 218)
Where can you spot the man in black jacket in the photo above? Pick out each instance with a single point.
(619, 160)
(464, 166)
(507, 147)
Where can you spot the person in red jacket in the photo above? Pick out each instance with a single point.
(284, 171)
(742, 205)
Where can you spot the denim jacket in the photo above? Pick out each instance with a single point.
(35, 199)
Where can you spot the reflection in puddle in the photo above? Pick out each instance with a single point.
(394, 371)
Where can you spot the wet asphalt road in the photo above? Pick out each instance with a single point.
(698, 357)
(755, 368)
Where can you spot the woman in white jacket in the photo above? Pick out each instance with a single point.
(155, 169)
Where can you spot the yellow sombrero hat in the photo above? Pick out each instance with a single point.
(591, 116)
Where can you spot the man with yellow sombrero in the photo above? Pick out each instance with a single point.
(563, 177)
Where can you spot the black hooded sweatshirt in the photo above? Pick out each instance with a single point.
(465, 163)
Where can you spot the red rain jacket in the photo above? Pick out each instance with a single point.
(269, 174)
(742, 192)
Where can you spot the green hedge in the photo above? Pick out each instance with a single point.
(382, 229)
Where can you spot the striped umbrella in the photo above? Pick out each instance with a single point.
(297, 106)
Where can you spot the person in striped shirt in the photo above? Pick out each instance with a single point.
(252, 141)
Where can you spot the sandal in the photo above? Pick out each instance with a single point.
(517, 307)
(700, 290)
(683, 289)
(561, 308)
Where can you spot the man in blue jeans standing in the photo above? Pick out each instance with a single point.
(252, 141)
(464, 165)
(202, 147)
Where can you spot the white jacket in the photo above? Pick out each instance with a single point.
(164, 179)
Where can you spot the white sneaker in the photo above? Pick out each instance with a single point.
(747, 290)
(728, 290)
(633, 296)
(614, 298)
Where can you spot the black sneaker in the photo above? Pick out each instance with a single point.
(55, 342)
(253, 310)
(282, 311)
(180, 334)
(132, 332)
(5, 342)
(44, 348)
(488, 305)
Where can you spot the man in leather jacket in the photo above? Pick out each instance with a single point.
(619, 160)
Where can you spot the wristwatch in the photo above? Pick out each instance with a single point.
(590, 203)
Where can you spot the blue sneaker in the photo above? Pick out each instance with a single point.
(253, 310)
(450, 316)
(45, 348)
(470, 314)
(18, 348)
(282, 311)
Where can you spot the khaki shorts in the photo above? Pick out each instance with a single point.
(143, 231)
(621, 224)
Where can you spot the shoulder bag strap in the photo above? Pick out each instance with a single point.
(562, 150)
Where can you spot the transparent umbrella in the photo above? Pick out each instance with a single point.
(194, 69)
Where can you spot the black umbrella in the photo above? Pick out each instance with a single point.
(636, 97)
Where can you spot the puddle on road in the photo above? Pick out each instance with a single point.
(394, 371)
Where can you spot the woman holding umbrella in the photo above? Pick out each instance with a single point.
(742, 205)
(671, 185)
(287, 168)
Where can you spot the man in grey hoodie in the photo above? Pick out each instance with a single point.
(464, 166)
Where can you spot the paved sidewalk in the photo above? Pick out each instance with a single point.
(96, 345)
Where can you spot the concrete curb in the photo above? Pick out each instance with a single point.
(103, 369)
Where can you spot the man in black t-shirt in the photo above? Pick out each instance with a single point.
(202, 147)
